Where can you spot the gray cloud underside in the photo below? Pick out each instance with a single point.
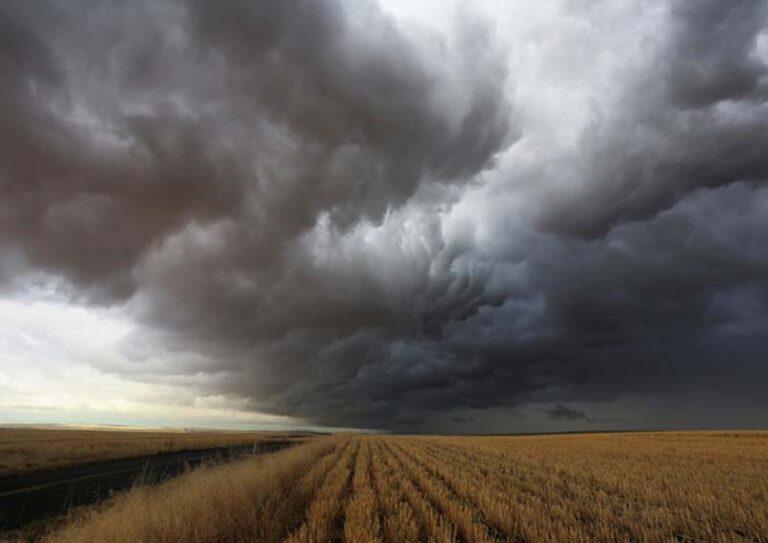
(306, 200)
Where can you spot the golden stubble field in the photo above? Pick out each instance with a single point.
(32, 449)
(695, 486)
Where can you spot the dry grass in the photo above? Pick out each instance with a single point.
(30, 449)
(697, 486)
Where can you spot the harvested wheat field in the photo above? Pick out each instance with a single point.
(693, 486)
(32, 449)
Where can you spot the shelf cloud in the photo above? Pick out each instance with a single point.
(322, 210)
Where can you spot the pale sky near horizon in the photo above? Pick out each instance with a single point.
(431, 215)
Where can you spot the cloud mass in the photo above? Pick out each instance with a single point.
(325, 211)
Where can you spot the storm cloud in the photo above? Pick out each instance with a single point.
(352, 219)
(562, 412)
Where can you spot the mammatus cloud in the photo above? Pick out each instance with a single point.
(335, 215)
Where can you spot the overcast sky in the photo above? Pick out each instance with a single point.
(408, 215)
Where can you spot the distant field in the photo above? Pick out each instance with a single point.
(600, 487)
(29, 449)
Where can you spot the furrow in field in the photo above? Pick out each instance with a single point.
(398, 519)
(545, 498)
(517, 517)
(434, 525)
(376, 513)
(361, 522)
(284, 508)
(471, 525)
(326, 507)
(530, 502)
(484, 482)
(502, 511)
(593, 496)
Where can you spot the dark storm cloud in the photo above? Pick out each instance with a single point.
(713, 52)
(302, 202)
(262, 113)
(86, 186)
(564, 413)
(694, 119)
